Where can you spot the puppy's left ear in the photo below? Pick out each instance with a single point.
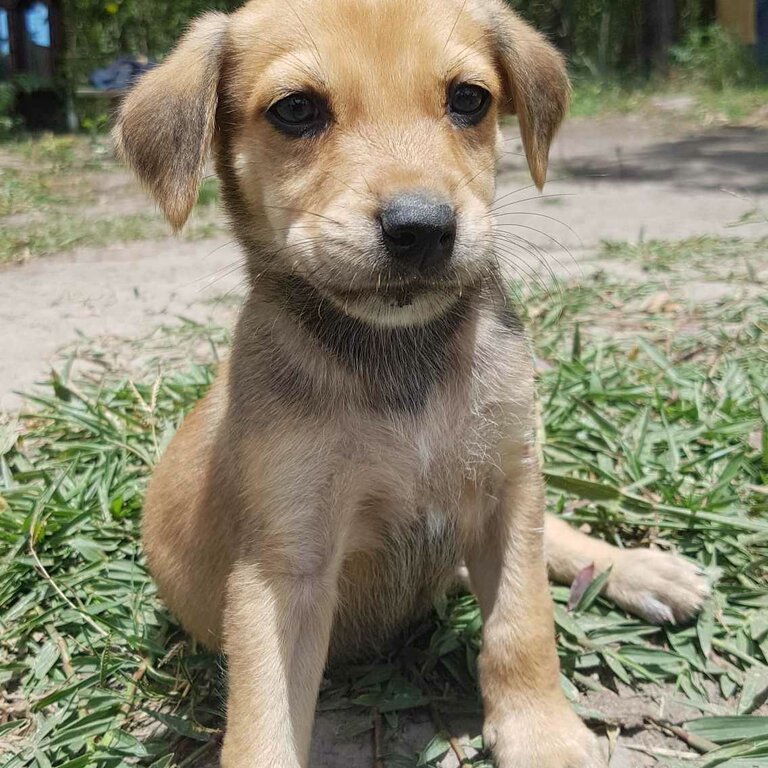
(166, 122)
(536, 83)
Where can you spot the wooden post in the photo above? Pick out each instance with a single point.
(740, 18)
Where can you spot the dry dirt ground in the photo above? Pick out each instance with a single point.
(618, 178)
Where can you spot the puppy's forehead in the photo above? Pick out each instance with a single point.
(359, 48)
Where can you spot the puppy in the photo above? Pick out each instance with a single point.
(375, 426)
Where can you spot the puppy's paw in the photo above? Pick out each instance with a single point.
(545, 739)
(656, 586)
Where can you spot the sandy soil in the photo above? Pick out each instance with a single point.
(621, 178)
(615, 179)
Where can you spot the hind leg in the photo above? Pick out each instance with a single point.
(656, 586)
(187, 523)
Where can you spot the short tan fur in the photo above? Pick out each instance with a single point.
(374, 428)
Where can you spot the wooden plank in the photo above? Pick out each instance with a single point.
(739, 17)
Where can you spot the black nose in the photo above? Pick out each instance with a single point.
(418, 231)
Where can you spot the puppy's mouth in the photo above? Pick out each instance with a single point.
(396, 295)
(414, 304)
(411, 304)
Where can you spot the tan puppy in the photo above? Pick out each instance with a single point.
(375, 426)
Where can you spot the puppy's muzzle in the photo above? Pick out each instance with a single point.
(419, 232)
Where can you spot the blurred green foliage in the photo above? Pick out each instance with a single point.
(606, 36)
(100, 30)
(598, 35)
(7, 121)
(709, 57)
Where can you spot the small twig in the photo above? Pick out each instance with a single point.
(66, 662)
(378, 760)
(40, 568)
(690, 354)
(588, 682)
(439, 723)
(458, 750)
(194, 757)
(133, 685)
(660, 752)
(691, 739)
(174, 651)
(83, 398)
(150, 419)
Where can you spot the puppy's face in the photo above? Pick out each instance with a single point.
(365, 148)
(356, 139)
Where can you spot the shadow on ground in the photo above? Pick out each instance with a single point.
(734, 157)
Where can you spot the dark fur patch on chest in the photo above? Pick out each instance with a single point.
(396, 368)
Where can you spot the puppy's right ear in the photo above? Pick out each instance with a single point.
(166, 122)
(535, 79)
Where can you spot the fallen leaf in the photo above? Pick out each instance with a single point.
(660, 302)
(579, 586)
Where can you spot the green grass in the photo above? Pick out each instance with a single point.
(596, 97)
(706, 256)
(729, 104)
(658, 435)
(38, 173)
(21, 192)
(60, 232)
(44, 191)
(717, 72)
(209, 192)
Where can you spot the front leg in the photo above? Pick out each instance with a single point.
(528, 721)
(281, 600)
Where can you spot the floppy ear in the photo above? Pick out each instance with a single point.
(536, 84)
(166, 122)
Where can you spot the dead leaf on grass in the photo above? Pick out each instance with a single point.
(579, 586)
(660, 302)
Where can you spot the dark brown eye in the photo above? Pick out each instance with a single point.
(299, 114)
(468, 104)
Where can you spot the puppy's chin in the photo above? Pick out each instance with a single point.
(409, 308)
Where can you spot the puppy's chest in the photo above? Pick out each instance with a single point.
(428, 463)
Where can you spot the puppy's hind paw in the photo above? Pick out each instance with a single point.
(658, 587)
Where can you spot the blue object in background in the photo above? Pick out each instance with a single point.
(37, 26)
(5, 39)
(120, 74)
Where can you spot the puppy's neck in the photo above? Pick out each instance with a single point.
(334, 357)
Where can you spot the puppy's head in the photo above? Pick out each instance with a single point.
(356, 139)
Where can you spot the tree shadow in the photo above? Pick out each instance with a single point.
(731, 158)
